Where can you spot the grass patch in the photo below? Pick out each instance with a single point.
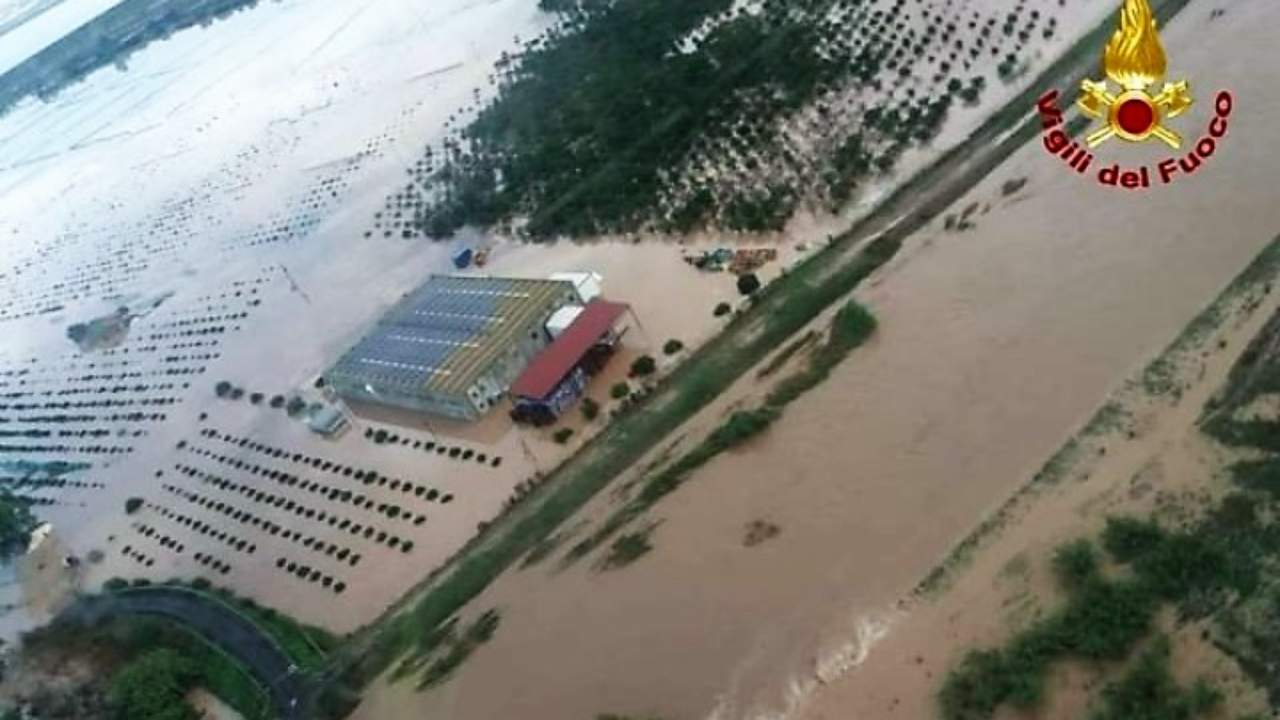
(117, 641)
(786, 354)
(852, 325)
(628, 548)
(306, 645)
(457, 647)
(1148, 691)
(1199, 570)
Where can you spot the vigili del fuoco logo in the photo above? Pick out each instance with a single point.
(1136, 111)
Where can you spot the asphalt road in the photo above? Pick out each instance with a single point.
(218, 624)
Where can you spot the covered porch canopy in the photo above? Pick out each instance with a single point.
(557, 375)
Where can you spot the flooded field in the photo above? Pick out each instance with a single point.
(216, 205)
(995, 344)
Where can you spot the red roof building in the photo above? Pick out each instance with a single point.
(559, 359)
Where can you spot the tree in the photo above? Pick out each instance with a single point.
(619, 390)
(16, 522)
(643, 366)
(154, 687)
(222, 389)
(672, 346)
(722, 309)
(295, 406)
(562, 435)
(133, 505)
(277, 401)
(256, 398)
(590, 409)
(748, 283)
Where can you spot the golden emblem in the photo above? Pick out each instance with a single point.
(1134, 59)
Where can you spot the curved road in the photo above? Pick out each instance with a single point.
(220, 625)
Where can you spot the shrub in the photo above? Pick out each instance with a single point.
(1075, 564)
(643, 366)
(619, 390)
(16, 522)
(722, 309)
(115, 584)
(132, 505)
(748, 283)
(672, 346)
(742, 426)
(140, 583)
(628, 548)
(201, 584)
(1148, 690)
(562, 435)
(590, 409)
(1127, 538)
(154, 686)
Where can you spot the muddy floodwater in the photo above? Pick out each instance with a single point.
(995, 344)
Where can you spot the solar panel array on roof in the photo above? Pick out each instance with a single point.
(449, 332)
(413, 343)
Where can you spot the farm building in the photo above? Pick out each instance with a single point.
(558, 376)
(453, 346)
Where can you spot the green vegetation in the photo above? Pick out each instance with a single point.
(722, 309)
(1076, 564)
(628, 548)
(306, 645)
(851, 327)
(672, 346)
(786, 354)
(643, 366)
(656, 114)
(153, 686)
(748, 283)
(562, 435)
(1149, 692)
(590, 409)
(133, 505)
(619, 390)
(121, 642)
(1199, 569)
(16, 522)
(457, 647)
(295, 406)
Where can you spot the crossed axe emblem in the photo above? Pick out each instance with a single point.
(1134, 114)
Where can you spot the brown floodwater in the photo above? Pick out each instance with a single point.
(995, 345)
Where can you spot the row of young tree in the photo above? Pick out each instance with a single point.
(635, 115)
